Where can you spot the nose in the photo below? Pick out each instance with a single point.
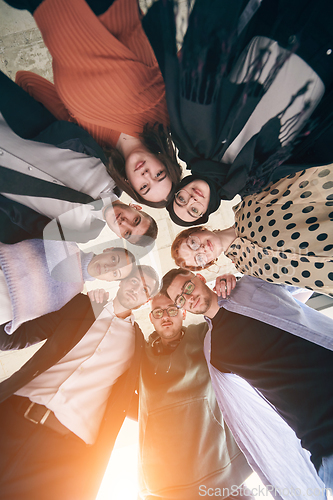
(145, 170)
(192, 199)
(189, 299)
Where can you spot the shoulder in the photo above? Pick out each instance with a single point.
(199, 330)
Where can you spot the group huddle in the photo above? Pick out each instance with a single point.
(241, 92)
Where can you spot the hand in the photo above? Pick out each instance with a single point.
(224, 284)
(99, 295)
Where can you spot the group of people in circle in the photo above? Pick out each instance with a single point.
(246, 106)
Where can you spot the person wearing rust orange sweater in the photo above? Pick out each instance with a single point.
(107, 80)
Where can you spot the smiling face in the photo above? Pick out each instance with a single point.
(135, 290)
(197, 302)
(126, 221)
(200, 248)
(111, 265)
(147, 175)
(168, 328)
(192, 201)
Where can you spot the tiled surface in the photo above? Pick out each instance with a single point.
(22, 48)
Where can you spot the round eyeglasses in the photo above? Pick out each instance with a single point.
(194, 243)
(171, 311)
(195, 209)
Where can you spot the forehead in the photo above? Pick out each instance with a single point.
(176, 286)
(161, 301)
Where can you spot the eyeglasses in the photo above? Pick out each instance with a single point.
(171, 311)
(196, 209)
(187, 289)
(194, 243)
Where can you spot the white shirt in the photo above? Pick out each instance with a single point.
(65, 167)
(77, 388)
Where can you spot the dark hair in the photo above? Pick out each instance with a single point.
(158, 142)
(182, 236)
(170, 276)
(151, 234)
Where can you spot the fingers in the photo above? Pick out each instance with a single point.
(224, 285)
(99, 295)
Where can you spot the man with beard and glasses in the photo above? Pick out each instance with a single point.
(278, 346)
(61, 412)
(184, 442)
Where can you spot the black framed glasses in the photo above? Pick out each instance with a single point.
(171, 311)
(187, 289)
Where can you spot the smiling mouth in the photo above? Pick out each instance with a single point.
(139, 165)
(210, 246)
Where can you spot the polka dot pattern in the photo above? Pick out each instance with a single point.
(289, 238)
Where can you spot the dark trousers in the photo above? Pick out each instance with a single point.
(25, 116)
(37, 463)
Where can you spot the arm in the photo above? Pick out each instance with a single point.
(44, 92)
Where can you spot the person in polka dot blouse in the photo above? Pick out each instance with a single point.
(282, 235)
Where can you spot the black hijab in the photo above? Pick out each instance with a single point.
(214, 202)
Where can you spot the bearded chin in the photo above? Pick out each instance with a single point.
(207, 301)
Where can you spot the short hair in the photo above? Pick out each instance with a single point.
(158, 142)
(159, 294)
(150, 271)
(180, 238)
(151, 234)
(170, 276)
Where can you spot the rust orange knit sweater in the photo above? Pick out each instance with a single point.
(106, 77)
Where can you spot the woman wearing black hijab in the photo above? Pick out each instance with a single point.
(240, 94)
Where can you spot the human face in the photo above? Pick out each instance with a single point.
(192, 201)
(200, 248)
(111, 265)
(147, 175)
(197, 302)
(126, 221)
(135, 290)
(168, 328)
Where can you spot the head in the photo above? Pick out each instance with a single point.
(135, 290)
(151, 172)
(111, 265)
(131, 223)
(191, 202)
(188, 291)
(196, 248)
(166, 318)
